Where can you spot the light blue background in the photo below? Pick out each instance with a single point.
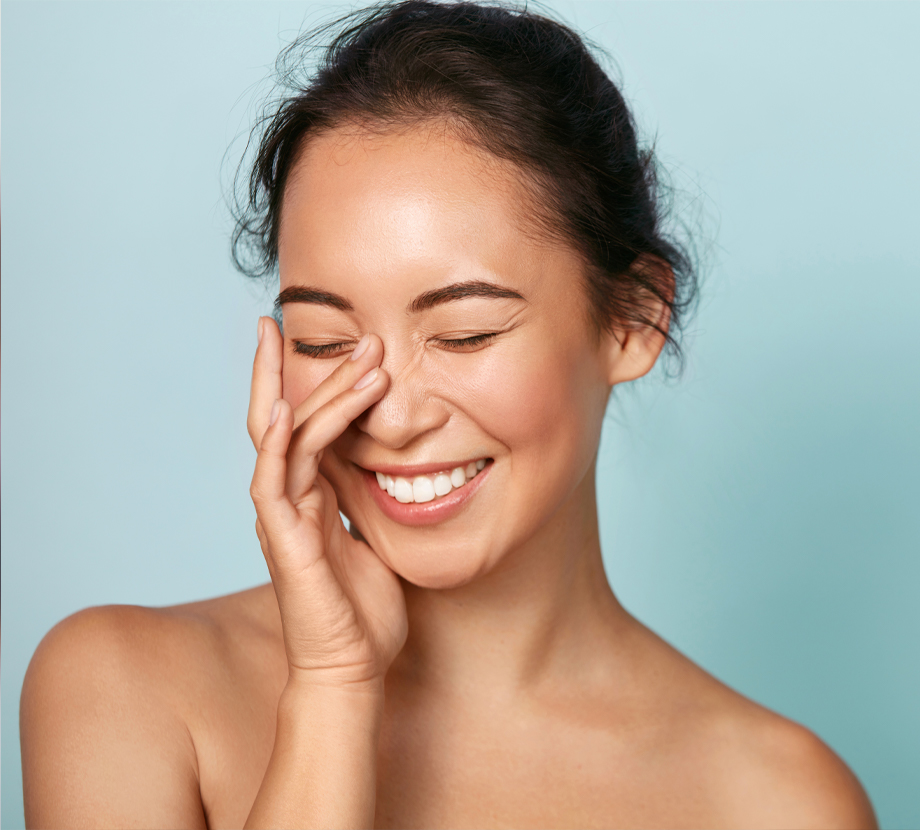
(761, 514)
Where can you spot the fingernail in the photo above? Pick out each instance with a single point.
(276, 409)
(261, 328)
(361, 348)
(367, 380)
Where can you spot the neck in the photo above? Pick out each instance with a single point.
(538, 617)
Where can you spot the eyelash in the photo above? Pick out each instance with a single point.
(320, 351)
(469, 342)
(327, 350)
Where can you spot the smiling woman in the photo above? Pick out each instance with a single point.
(470, 259)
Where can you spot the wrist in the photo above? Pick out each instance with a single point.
(323, 768)
(334, 682)
(356, 703)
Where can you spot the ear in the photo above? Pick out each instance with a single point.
(632, 349)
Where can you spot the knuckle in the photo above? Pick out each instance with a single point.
(272, 446)
(257, 494)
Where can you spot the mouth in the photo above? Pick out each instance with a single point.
(424, 495)
(421, 489)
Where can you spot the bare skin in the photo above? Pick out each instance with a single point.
(476, 670)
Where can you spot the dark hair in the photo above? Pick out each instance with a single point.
(517, 84)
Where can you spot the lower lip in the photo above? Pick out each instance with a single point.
(431, 512)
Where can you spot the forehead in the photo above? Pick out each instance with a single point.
(406, 209)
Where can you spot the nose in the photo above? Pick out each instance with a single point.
(407, 410)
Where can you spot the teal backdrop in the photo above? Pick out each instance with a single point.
(761, 514)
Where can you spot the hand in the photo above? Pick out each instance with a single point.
(342, 610)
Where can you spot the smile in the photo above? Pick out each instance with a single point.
(424, 488)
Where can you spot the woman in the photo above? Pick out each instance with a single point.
(470, 259)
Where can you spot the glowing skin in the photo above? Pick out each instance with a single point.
(520, 693)
(532, 399)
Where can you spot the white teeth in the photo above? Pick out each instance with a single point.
(422, 489)
(402, 490)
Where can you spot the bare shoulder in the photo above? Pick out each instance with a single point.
(759, 769)
(108, 709)
(777, 773)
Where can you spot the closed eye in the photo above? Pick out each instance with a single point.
(467, 343)
(329, 350)
(321, 350)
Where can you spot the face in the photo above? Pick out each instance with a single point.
(486, 435)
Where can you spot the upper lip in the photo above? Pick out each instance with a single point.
(409, 470)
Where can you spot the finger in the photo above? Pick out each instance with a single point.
(263, 543)
(277, 516)
(266, 378)
(325, 425)
(369, 353)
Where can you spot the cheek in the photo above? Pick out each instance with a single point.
(545, 410)
(540, 404)
(300, 376)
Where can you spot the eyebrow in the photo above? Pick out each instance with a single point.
(307, 294)
(460, 291)
(423, 302)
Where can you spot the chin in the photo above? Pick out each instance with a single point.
(441, 573)
(421, 557)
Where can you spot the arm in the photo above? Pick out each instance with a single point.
(323, 767)
(342, 610)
